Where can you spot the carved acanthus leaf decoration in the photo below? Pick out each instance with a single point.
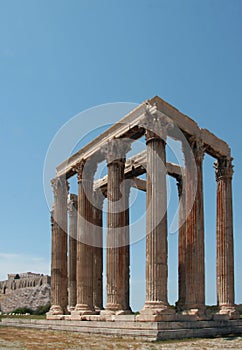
(223, 168)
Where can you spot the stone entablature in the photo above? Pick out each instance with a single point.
(23, 280)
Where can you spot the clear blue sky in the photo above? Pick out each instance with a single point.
(58, 58)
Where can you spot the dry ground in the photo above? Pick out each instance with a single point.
(32, 339)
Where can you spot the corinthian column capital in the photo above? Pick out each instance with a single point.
(85, 169)
(78, 169)
(60, 186)
(156, 127)
(116, 149)
(198, 148)
(224, 168)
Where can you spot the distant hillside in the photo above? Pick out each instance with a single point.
(24, 290)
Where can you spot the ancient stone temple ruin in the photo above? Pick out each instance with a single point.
(24, 290)
(77, 241)
(23, 280)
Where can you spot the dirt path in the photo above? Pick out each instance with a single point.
(32, 339)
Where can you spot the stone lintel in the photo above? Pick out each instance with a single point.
(129, 127)
(139, 184)
(121, 128)
(135, 166)
(185, 123)
(215, 147)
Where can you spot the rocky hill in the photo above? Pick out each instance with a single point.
(30, 297)
(29, 290)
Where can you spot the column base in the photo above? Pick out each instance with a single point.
(82, 309)
(230, 311)
(56, 310)
(98, 309)
(156, 311)
(70, 308)
(195, 313)
(180, 305)
(55, 313)
(115, 309)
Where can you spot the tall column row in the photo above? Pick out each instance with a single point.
(84, 262)
(85, 255)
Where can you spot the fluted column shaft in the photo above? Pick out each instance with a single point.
(225, 248)
(72, 208)
(84, 268)
(115, 250)
(98, 251)
(126, 246)
(118, 234)
(181, 245)
(156, 306)
(156, 223)
(195, 269)
(59, 248)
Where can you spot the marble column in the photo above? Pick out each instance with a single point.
(225, 248)
(59, 249)
(117, 241)
(156, 306)
(98, 251)
(195, 269)
(181, 246)
(126, 246)
(84, 269)
(72, 209)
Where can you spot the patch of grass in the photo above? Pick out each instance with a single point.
(20, 316)
(22, 311)
(40, 312)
